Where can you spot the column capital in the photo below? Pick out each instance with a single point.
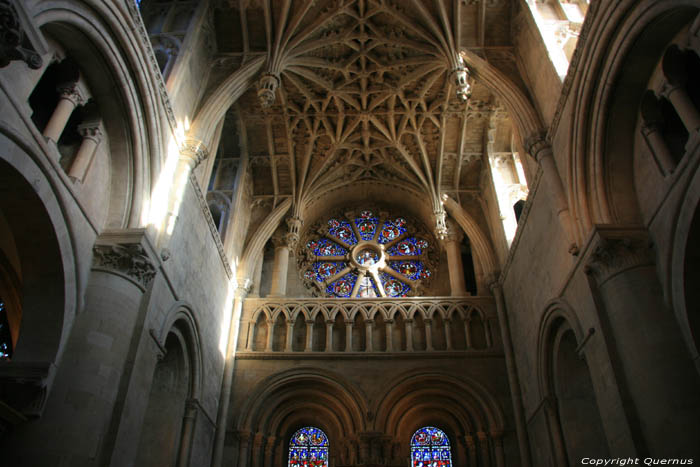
(482, 436)
(537, 146)
(280, 240)
(616, 250)
(243, 288)
(330, 322)
(129, 253)
(71, 92)
(309, 322)
(91, 130)
(193, 151)
(243, 436)
(453, 233)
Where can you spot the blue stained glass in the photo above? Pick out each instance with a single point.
(308, 447)
(325, 269)
(366, 226)
(411, 246)
(326, 247)
(342, 230)
(5, 336)
(430, 447)
(368, 288)
(414, 270)
(393, 287)
(390, 231)
(342, 288)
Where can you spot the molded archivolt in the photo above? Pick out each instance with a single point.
(360, 433)
(622, 46)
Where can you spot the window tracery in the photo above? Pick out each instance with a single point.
(367, 253)
(308, 448)
(430, 447)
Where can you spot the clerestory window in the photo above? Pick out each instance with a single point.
(308, 448)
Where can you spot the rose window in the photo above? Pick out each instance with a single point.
(364, 255)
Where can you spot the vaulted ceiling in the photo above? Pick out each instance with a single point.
(366, 90)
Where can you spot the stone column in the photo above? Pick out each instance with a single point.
(389, 335)
(278, 288)
(348, 336)
(467, 331)
(676, 73)
(269, 445)
(290, 336)
(256, 456)
(497, 438)
(487, 332)
(243, 442)
(452, 242)
(484, 448)
(651, 130)
(92, 135)
(100, 356)
(513, 380)
(251, 335)
(69, 97)
(188, 425)
(309, 335)
(654, 362)
(448, 333)
(409, 335)
(428, 334)
(369, 326)
(538, 147)
(471, 449)
(329, 335)
(270, 327)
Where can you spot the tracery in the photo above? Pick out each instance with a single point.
(366, 254)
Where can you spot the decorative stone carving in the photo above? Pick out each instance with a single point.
(614, 255)
(267, 87)
(194, 152)
(536, 143)
(440, 225)
(131, 260)
(12, 39)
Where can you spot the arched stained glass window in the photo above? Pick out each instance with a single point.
(430, 447)
(366, 253)
(5, 336)
(308, 448)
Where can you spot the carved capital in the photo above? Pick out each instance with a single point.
(72, 93)
(193, 152)
(616, 252)
(267, 86)
(243, 288)
(13, 45)
(91, 130)
(453, 233)
(537, 146)
(131, 260)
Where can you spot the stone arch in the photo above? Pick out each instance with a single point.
(626, 42)
(565, 382)
(130, 115)
(40, 251)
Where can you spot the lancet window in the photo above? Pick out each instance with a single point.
(430, 447)
(308, 448)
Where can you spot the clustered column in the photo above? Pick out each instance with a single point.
(452, 241)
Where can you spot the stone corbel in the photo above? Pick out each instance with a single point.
(617, 250)
(193, 152)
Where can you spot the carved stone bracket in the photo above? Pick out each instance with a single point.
(13, 45)
(194, 152)
(536, 144)
(129, 259)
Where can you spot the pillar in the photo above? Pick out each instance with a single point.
(269, 445)
(428, 334)
(471, 449)
(653, 361)
(484, 448)
(188, 425)
(511, 368)
(348, 336)
(499, 455)
(329, 335)
(69, 97)
(651, 130)
(270, 327)
(309, 335)
(278, 288)
(676, 73)
(448, 333)
(369, 327)
(257, 447)
(389, 335)
(251, 335)
(409, 335)
(243, 442)
(538, 147)
(290, 335)
(467, 331)
(92, 135)
(452, 242)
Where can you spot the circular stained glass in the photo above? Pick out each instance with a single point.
(367, 257)
(407, 248)
(327, 269)
(378, 257)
